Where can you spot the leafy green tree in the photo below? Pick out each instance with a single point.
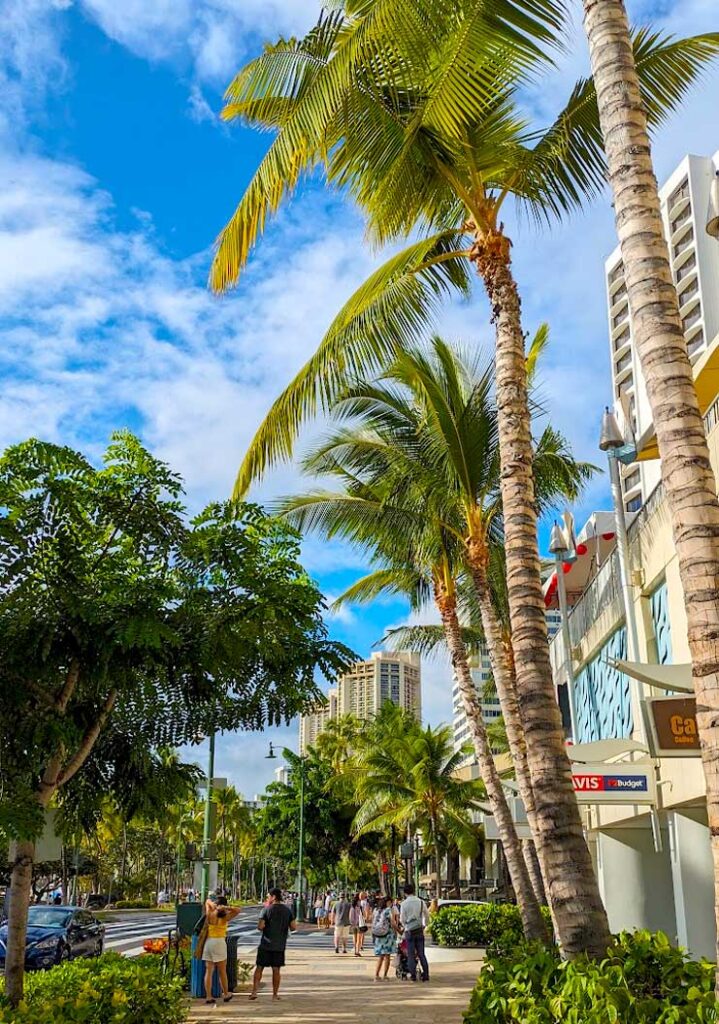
(413, 107)
(116, 615)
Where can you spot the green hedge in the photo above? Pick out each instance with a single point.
(134, 905)
(105, 990)
(498, 926)
(645, 980)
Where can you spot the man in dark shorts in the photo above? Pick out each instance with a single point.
(276, 922)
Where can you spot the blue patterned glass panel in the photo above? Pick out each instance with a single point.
(601, 695)
(662, 629)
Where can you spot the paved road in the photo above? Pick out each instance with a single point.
(126, 934)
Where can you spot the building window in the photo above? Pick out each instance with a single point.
(686, 268)
(682, 192)
(624, 362)
(684, 243)
(695, 343)
(634, 504)
(622, 339)
(616, 273)
(692, 318)
(632, 480)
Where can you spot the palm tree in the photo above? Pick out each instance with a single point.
(406, 777)
(688, 479)
(412, 106)
(443, 438)
(227, 802)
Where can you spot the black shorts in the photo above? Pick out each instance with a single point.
(270, 957)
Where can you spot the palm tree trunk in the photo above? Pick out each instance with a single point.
(502, 666)
(580, 917)
(687, 475)
(532, 920)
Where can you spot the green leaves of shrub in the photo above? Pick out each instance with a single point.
(498, 926)
(106, 990)
(644, 980)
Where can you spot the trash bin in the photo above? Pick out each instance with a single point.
(197, 975)
(232, 941)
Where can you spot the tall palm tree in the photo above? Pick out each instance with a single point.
(412, 106)
(227, 802)
(440, 433)
(406, 777)
(687, 475)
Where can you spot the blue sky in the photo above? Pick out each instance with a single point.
(115, 176)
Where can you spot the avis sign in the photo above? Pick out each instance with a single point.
(614, 783)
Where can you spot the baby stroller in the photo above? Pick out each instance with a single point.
(402, 963)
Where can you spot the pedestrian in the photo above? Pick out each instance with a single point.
(214, 953)
(341, 921)
(276, 922)
(413, 917)
(357, 924)
(367, 918)
(384, 934)
(319, 910)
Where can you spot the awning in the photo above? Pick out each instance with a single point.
(706, 382)
(594, 544)
(666, 677)
(603, 750)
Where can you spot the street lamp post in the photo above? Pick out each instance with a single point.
(206, 835)
(301, 849)
(559, 546)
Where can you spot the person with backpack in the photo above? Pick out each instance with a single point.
(384, 935)
(413, 918)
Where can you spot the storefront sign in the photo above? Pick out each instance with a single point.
(673, 726)
(614, 784)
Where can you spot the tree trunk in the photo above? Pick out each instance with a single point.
(687, 475)
(502, 666)
(22, 855)
(532, 920)
(531, 859)
(580, 917)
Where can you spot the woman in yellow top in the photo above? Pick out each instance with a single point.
(214, 954)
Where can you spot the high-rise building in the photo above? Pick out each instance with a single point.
(385, 676)
(362, 690)
(694, 257)
(481, 674)
(312, 724)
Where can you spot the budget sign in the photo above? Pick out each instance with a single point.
(613, 783)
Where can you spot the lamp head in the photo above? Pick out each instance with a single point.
(713, 218)
(611, 436)
(272, 756)
(557, 543)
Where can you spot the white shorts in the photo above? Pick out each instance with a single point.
(215, 951)
(342, 931)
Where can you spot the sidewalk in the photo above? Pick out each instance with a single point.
(321, 988)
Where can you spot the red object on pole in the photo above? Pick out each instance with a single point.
(385, 869)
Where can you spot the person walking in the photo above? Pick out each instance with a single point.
(214, 953)
(366, 918)
(319, 910)
(384, 934)
(276, 922)
(341, 921)
(413, 917)
(358, 924)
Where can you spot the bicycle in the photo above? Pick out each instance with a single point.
(174, 961)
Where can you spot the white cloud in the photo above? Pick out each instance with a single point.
(212, 36)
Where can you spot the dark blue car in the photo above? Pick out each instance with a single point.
(55, 934)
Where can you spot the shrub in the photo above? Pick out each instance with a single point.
(134, 905)
(644, 980)
(498, 926)
(106, 990)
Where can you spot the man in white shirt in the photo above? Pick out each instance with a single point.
(413, 918)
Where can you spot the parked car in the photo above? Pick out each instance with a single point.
(56, 934)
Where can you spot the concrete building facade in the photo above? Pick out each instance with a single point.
(385, 676)
(694, 257)
(653, 859)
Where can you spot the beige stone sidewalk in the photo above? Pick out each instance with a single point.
(321, 988)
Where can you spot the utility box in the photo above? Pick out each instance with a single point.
(188, 914)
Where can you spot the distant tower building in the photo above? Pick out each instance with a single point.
(394, 677)
(694, 258)
(361, 691)
(481, 674)
(312, 724)
(282, 775)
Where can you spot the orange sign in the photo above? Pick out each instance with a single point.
(674, 724)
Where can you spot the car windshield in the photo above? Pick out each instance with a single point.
(48, 917)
